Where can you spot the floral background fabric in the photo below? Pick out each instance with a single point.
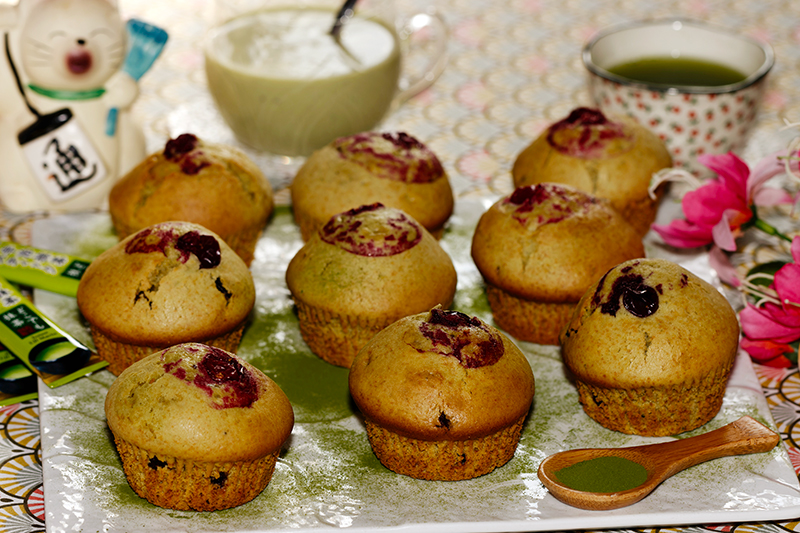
(514, 67)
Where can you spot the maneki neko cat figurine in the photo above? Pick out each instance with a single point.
(65, 90)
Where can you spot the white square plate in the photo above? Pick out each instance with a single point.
(328, 476)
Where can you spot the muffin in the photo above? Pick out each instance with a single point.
(613, 159)
(444, 395)
(651, 347)
(364, 269)
(167, 284)
(197, 428)
(539, 249)
(394, 169)
(213, 185)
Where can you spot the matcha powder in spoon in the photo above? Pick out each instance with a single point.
(603, 474)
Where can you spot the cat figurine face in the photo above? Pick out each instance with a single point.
(73, 45)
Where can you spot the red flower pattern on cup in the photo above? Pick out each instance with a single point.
(719, 123)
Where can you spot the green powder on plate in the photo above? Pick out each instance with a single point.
(603, 474)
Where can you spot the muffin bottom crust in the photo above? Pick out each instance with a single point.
(334, 337)
(655, 411)
(174, 483)
(528, 320)
(121, 355)
(444, 460)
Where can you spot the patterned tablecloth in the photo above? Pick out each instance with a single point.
(514, 67)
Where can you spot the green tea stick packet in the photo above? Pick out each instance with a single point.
(17, 382)
(40, 344)
(41, 269)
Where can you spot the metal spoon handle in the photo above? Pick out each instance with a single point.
(345, 12)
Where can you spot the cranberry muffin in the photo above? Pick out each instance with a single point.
(166, 284)
(214, 185)
(651, 347)
(609, 157)
(364, 269)
(394, 169)
(539, 249)
(443, 394)
(197, 428)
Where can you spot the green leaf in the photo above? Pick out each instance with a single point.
(769, 268)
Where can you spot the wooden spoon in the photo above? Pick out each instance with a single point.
(660, 460)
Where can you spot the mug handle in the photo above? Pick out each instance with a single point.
(425, 34)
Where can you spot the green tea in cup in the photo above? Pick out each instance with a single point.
(678, 71)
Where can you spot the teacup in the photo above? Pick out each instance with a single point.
(286, 86)
(692, 116)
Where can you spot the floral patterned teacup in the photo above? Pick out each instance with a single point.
(692, 120)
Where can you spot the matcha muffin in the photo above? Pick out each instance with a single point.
(444, 395)
(539, 249)
(166, 284)
(197, 428)
(214, 185)
(650, 347)
(394, 169)
(364, 269)
(609, 157)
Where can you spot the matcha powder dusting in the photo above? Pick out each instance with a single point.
(603, 474)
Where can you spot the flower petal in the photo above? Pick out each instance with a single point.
(723, 236)
(732, 171)
(769, 196)
(683, 234)
(707, 204)
(796, 249)
(787, 285)
(765, 169)
(761, 324)
(767, 352)
(722, 265)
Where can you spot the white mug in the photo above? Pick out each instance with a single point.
(286, 87)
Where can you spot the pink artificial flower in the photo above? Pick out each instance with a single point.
(716, 211)
(769, 329)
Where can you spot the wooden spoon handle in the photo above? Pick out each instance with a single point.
(743, 436)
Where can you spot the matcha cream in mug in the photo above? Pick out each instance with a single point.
(284, 84)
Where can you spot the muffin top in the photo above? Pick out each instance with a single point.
(612, 158)
(442, 375)
(372, 261)
(392, 168)
(214, 185)
(199, 403)
(171, 282)
(397, 157)
(549, 242)
(649, 322)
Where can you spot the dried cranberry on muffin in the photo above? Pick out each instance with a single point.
(169, 283)
(651, 347)
(197, 428)
(443, 394)
(214, 185)
(394, 169)
(364, 269)
(610, 157)
(539, 249)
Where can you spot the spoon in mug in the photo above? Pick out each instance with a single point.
(660, 461)
(345, 13)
